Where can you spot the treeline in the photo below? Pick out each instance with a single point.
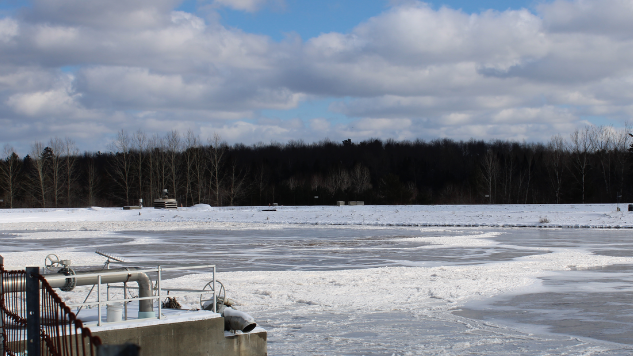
(592, 165)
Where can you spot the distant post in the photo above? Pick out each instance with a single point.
(33, 310)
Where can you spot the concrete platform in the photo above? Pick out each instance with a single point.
(189, 337)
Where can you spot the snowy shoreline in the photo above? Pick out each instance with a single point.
(202, 216)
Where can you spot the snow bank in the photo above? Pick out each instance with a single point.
(203, 216)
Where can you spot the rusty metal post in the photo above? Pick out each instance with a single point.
(33, 310)
(2, 341)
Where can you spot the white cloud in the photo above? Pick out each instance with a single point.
(8, 29)
(58, 101)
(603, 17)
(247, 5)
(410, 72)
(111, 14)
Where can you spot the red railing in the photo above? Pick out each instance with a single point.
(13, 311)
(61, 333)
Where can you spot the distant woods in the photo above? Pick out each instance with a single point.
(592, 165)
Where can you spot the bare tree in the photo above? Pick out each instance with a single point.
(602, 142)
(153, 158)
(508, 173)
(56, 146)
(529, 158)
(293, 184)
(555, 161)
(173, 150)
(316, 182)
(261, 177)
(192, 163)
(216, 159)
(622, 142)
(360, 179)
(122, 163)
(162, 164)
(10, 168)
(70, 155)
(412, 190)
(38, 158)
(338, 180)
(92, 180)
(580, 150)
(198, 171)
(490, 171)
(236, 184)
(139, 142)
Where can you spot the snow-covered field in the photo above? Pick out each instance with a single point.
(200, 216)
(385, 280)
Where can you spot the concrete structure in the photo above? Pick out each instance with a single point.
(193, 338)
(165, 204)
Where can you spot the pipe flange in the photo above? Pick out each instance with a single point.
(71, 283)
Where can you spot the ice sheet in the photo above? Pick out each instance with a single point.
(374, 280)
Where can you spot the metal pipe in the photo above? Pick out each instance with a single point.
(238, 320)
(84, 278)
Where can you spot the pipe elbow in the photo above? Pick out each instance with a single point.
(238, 320)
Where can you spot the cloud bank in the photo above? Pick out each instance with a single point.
(86, 69)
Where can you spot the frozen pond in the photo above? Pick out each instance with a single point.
(573, 310)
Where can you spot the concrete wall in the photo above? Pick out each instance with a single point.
(199, 337)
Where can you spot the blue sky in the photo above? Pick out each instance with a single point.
(312, 18)
(390, 69)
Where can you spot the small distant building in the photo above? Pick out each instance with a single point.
(165, 202)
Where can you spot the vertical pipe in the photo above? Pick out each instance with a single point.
(215, 299)
(125, 297)
(33, 310)
(99, 299)
(160, 302)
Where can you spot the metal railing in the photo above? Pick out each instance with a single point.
(158, 289)
(34, 319)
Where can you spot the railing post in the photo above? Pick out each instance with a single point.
(33, 310)
(99, 300)
(125, 297)
(160, 302)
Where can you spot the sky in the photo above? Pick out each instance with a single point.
(261, 71)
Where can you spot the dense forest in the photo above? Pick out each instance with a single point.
(592, 165)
